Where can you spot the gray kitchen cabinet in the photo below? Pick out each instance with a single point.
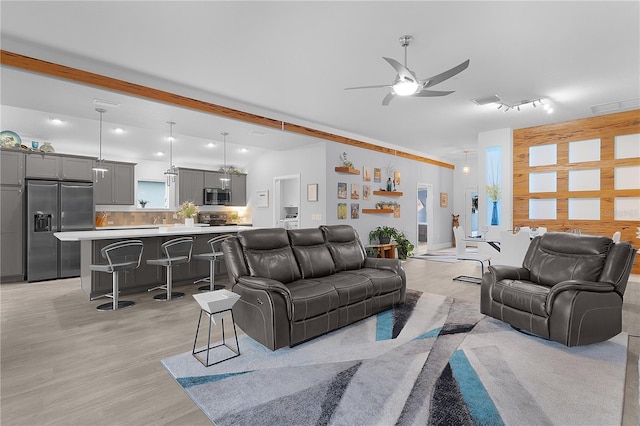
(11, 239)
(59, 167)
(11, 167)
(191, 186)
(212, 179)
(238, 190)
(117, 185)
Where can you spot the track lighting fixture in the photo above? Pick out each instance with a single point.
(506, 107)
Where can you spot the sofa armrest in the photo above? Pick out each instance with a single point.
(384, 263)
(502, 272)
(268, 285)
(576, 285)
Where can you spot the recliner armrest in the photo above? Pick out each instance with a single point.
(578, 285)
(501, 272)
(267, 284)
(384, 263)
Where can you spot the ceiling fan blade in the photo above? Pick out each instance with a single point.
(368, 87)
(431, 93)
(403, 72)
(388, 98)
(432, 81)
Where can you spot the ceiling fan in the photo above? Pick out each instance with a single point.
(406, 82)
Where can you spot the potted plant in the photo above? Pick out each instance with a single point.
(404, 246)
(383, 234)
(188, 210)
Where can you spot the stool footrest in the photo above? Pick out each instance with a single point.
(109, 306)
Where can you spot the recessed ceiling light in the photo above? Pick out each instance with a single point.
(210, 145)
(256, 133)
(159, 153)
(243, 150)
(118, 130)
(56, 121)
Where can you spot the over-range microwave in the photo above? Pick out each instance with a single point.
(217, 196)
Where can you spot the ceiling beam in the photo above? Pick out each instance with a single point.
(51, 69)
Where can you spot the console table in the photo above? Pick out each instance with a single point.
(387, 251)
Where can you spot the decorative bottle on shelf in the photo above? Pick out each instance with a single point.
(389, 185)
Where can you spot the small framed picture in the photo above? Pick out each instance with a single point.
(366, 192)
(355, 211)
(312, 192)
(444, 199)
(366, 174)
(377, 175)
(342, 210)
(355, 191)
(342, 190)
(262, 198)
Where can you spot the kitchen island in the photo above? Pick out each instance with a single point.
(96, 284)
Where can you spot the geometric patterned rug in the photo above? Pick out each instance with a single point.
(433, 360)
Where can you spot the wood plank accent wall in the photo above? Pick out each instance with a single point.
(84, 77)
(605, 128)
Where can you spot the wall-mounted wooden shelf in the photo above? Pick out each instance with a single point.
(347, 170)
(377, 211)
(388, 193)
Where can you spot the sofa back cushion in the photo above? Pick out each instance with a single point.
(268, 254)
(559, 256)
(344, 245)
(311, 252)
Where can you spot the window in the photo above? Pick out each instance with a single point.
(155, 193)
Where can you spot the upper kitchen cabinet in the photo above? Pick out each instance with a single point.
(238, 190)
(12, 167)
(59, 167)
(191, 186)
(212, 179)
(117, 185)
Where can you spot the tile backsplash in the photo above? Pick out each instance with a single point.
(136, 218)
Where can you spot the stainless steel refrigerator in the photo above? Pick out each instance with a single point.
(56, 206)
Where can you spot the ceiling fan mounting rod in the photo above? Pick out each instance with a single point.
(405, 40)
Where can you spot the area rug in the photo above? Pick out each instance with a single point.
(434, 360)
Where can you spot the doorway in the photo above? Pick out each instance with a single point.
(424, 216)
(286, 201)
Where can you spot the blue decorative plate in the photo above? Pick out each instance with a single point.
(9, 139)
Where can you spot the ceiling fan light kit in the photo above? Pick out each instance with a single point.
(407, 84)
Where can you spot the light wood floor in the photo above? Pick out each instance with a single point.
(65, 363)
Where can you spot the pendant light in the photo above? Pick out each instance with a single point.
(172, 171)
(466, 169)
(99, 166)
(225, 179)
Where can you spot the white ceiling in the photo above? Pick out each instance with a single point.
(292, 60)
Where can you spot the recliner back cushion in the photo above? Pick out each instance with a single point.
(268, 254)
(344, 246)
(559, 256)
(311, 252)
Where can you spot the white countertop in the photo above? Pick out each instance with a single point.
(99, 228)
(107, 234)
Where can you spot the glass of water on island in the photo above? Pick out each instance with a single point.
(485, 231)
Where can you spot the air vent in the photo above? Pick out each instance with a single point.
(486, 100)
(615, 106)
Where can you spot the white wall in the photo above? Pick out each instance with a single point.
(309, 162)
(412, 173)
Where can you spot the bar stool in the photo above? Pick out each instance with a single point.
(176, 252)
(216, 253)
(120, 256)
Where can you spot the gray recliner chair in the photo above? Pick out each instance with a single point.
(569, 289)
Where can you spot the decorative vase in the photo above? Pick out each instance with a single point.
(47, 147)
(188, 222)
(494, 214)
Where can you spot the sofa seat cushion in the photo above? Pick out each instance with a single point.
(311, 298)
(521, 295)
(383, 280)
(351, 287)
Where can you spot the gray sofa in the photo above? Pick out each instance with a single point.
(569, 289)
(295, 285)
